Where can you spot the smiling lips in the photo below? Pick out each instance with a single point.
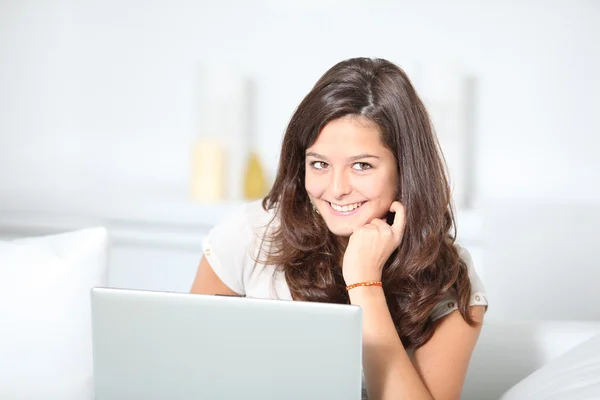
(345, 209)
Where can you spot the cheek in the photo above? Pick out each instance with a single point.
(314, 185)
(381, 187)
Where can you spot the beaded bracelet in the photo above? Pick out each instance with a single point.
(374, 283)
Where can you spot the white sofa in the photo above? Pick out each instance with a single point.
(507, 351)
(45, 318)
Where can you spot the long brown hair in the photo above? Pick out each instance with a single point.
(426, 266)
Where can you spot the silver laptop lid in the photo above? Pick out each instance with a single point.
(157, 345)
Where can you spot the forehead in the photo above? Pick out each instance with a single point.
(348, 134)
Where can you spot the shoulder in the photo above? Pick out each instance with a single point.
(244, 219)
(476, 282)
(478, 293)
(232, 246)
(257, 217)
(243, 228)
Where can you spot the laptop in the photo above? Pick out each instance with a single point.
(161, 345)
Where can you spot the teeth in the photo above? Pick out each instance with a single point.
(346, 208)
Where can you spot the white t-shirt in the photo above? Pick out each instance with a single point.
(232, 247)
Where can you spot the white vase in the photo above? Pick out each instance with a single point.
(224, 114)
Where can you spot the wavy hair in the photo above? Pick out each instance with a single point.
(426, 267)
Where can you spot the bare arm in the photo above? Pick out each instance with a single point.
(389, 373)
(443, 361)
(207, 282)
(439, 367)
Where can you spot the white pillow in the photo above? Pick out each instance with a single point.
(45, 321)
(574, 375)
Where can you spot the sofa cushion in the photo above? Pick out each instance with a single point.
(574, 375)
(508, 351)
(45, 334)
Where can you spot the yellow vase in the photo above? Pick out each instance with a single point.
(255, 182)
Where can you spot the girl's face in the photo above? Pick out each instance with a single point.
(351, 177)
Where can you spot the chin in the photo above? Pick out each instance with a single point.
(340, 230)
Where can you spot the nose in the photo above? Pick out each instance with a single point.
(340, 184)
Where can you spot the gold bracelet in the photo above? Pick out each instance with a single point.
(374, 283)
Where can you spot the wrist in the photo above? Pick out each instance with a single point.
(358, 274)
(361, 279)
(364, 295)
(366, 283)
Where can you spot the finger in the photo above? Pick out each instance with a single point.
(399, 218)
(377, 221)
(365, 227)
(370, 227)
(353, 229)
(382, 226)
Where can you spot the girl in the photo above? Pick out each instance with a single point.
(360, 213)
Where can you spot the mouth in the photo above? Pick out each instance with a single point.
(345, 209)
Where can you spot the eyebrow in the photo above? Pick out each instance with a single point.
(353, 158)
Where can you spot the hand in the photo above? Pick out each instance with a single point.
(371, 245)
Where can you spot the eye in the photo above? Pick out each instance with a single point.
(361, 166)
(319, 164)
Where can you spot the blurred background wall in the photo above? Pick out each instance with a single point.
(99, 102)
